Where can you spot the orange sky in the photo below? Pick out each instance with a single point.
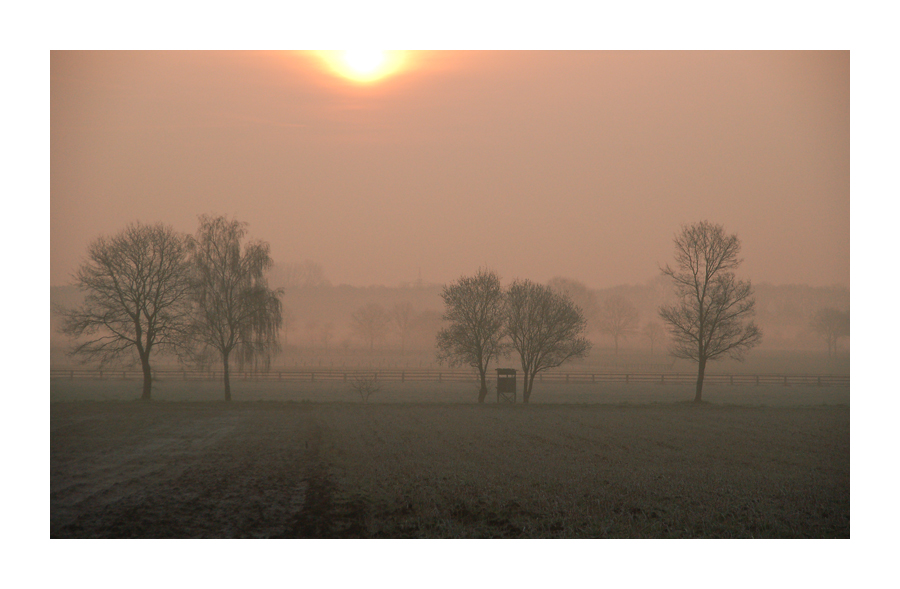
(537, 164)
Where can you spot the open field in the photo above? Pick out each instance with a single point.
(176, 389)
(428, 463)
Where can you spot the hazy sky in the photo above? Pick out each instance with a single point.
(537, 164)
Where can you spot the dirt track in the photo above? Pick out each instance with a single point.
(273, 469)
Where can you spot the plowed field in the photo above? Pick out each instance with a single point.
(314, 470)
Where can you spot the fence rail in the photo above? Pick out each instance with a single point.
(461, 376)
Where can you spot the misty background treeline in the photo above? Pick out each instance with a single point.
(334, 325)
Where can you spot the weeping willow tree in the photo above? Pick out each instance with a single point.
(238, 315)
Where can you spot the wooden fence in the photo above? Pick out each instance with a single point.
(462, 376)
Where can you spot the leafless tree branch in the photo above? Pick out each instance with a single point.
(713, 312)
(138, 298)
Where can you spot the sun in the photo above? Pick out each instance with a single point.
(364, 66)
(365, 62)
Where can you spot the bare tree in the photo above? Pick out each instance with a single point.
(831, 325)
(138, 297)
(475, 312)
(618, 318)
(712, 315)
(365, 385)
(402, 318)
(236, 310)
(370, 323)
(546, 329)
(654, 333)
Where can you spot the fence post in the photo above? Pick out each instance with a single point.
(71, 374)
(312, 376)
(662, 379)
(403, 376)
(731, 379)
(626, 378)
(757, 380)
(785, 381)
(567, 379)
(592, 378)
(439, 377)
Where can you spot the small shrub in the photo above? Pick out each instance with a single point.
(365, 385)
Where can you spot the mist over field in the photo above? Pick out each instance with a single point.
(440, 294)
(318, 331)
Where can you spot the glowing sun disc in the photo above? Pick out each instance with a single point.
(363, 65)
(364, 61)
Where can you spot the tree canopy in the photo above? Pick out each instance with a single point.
(138, 297)
(475, 313)
(236, 311)
(546, 329)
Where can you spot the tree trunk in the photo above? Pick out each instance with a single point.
(148, 378)
(227, 379)
(482, 393)
(526, 387)
(701, 370)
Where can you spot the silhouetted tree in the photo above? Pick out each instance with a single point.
(475, 312)
(402, 318)
(654, 333)
(236, 310)
(618, 318)
(831, 325)
(138, 297)
(370, 323)
(712, 316)
(365, 385)
(546, 329)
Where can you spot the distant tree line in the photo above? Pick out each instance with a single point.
(831, 325)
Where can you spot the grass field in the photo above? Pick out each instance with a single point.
(621, 463)
(114, 389)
